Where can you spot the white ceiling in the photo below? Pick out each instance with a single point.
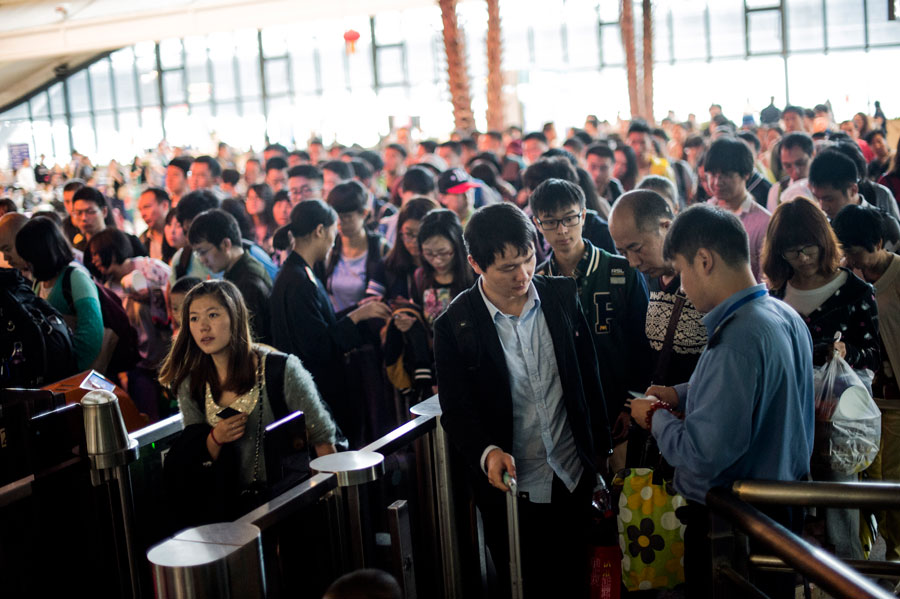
(36, 35)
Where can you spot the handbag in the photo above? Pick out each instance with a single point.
(651, 532)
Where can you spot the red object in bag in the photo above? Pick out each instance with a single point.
(606, 572)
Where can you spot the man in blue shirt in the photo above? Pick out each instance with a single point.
(520, 393)
(747, 412)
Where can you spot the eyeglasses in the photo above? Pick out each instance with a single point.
(442, 255)
(810, 251)
(551, 224)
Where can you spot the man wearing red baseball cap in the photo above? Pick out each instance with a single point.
(455, 193)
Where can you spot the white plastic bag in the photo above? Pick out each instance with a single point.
(848, 423)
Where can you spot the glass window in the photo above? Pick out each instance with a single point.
(613, 51)
(277, 76)
(845, 23)
(689, 28)
(199, 85)
(129, 132)
(806, 28)
(423, 41)
(79, 101)
(39, 107)
(83, 136)
(57, 103)
(764, 32)
(108, 143)
(581, 31)
(388, 28)
(662, 12)
(274, 41)
(223, 71)
(145, 58)
(170, 53)
(173, 86)
(43, 137)
(123, 75)
(726, 28)
(60, 133)
(247, 52)
(882, 31)
(390, 66)
(100, 85)
(331, 59)
(548, 50)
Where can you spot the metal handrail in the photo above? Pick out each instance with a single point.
(835, 577)
(871, 495)
(402, 435)
(290, 502)
(881, 569)
(158, 430)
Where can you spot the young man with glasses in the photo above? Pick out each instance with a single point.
(613, 298)
(91, 214)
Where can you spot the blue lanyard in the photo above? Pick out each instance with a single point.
(736, 305)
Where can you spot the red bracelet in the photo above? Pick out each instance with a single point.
(657, 405)
(213, 436)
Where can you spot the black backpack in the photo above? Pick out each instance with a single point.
(126, 354)
(35, 343)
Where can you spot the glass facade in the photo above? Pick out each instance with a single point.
(563, 60)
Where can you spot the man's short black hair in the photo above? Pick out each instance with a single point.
(372, 159)
(851, 150)
(194, 203)
(871, 135)
(301, 154)
(561, 153)
(469, 144)
(639, 126)
(214, 226)
(749, 138)
(576, 145)
(548, 168)
(711, 228)
(492, 228)
(277, 148)
(859, 226)
(362, 170)
(729, 155)
(536, 135)
(418, 180)
(601, 150)
(183, 163)
(453, 146)
(584, 136)
(112, 246)
(230, 176)
(399, 149)
(349, 196)
(833, 168)
(315, 141)
(90, 194)
(555, 194)
(73, 185)
(648, 208)
(215, 169)
(660, 132)
(795, 109)
(339, 168)
(495, 135)
(429, 145)
(694, 141)
(276, 163)
(159, 194)
(307, 171)
(798, 139)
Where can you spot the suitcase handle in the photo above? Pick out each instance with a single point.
(512, 524)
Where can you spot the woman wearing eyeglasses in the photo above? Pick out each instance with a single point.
(445, 271)
(801, 260)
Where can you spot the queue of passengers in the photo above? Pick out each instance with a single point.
(532, 286)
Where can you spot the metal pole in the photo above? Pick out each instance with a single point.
(446, 517)
(357, 538)
(126, 499)
(401, 547)
(872, 495)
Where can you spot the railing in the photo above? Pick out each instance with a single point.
(840, 578)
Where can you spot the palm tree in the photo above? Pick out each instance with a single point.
(626, 25)
(648, 60)
(495, 71)
(457, 70)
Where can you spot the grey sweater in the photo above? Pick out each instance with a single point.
(299, 393)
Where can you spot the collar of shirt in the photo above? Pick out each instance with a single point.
(531, 303)
(744, 208)
(586, 265)
(717, 316)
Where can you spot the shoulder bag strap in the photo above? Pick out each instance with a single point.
(662, 363)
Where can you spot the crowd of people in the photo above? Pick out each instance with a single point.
(532, 282)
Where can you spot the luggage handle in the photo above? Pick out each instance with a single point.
(512, 525)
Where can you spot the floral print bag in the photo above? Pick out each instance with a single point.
(651, 534)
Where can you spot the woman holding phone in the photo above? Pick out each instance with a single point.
(224, 394)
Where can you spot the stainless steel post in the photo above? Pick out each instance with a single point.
(353, 468)
(217, 560)
(401, 547)
(452, 570)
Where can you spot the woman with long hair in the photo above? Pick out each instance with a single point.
(891, 179)
(801, 259)
(445, 271)
(303, 319)
(625, 169)
(224, 394)
(404, 258)
(259, 207)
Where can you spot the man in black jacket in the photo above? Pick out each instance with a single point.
(520, 394)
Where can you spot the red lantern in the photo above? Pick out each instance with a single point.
(350, 38)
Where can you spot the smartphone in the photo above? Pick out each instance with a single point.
(228, 413)
(637, 395)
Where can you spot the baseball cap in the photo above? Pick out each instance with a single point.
(455, 180)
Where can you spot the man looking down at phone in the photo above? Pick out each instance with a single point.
(747, 412)
(520, 394)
